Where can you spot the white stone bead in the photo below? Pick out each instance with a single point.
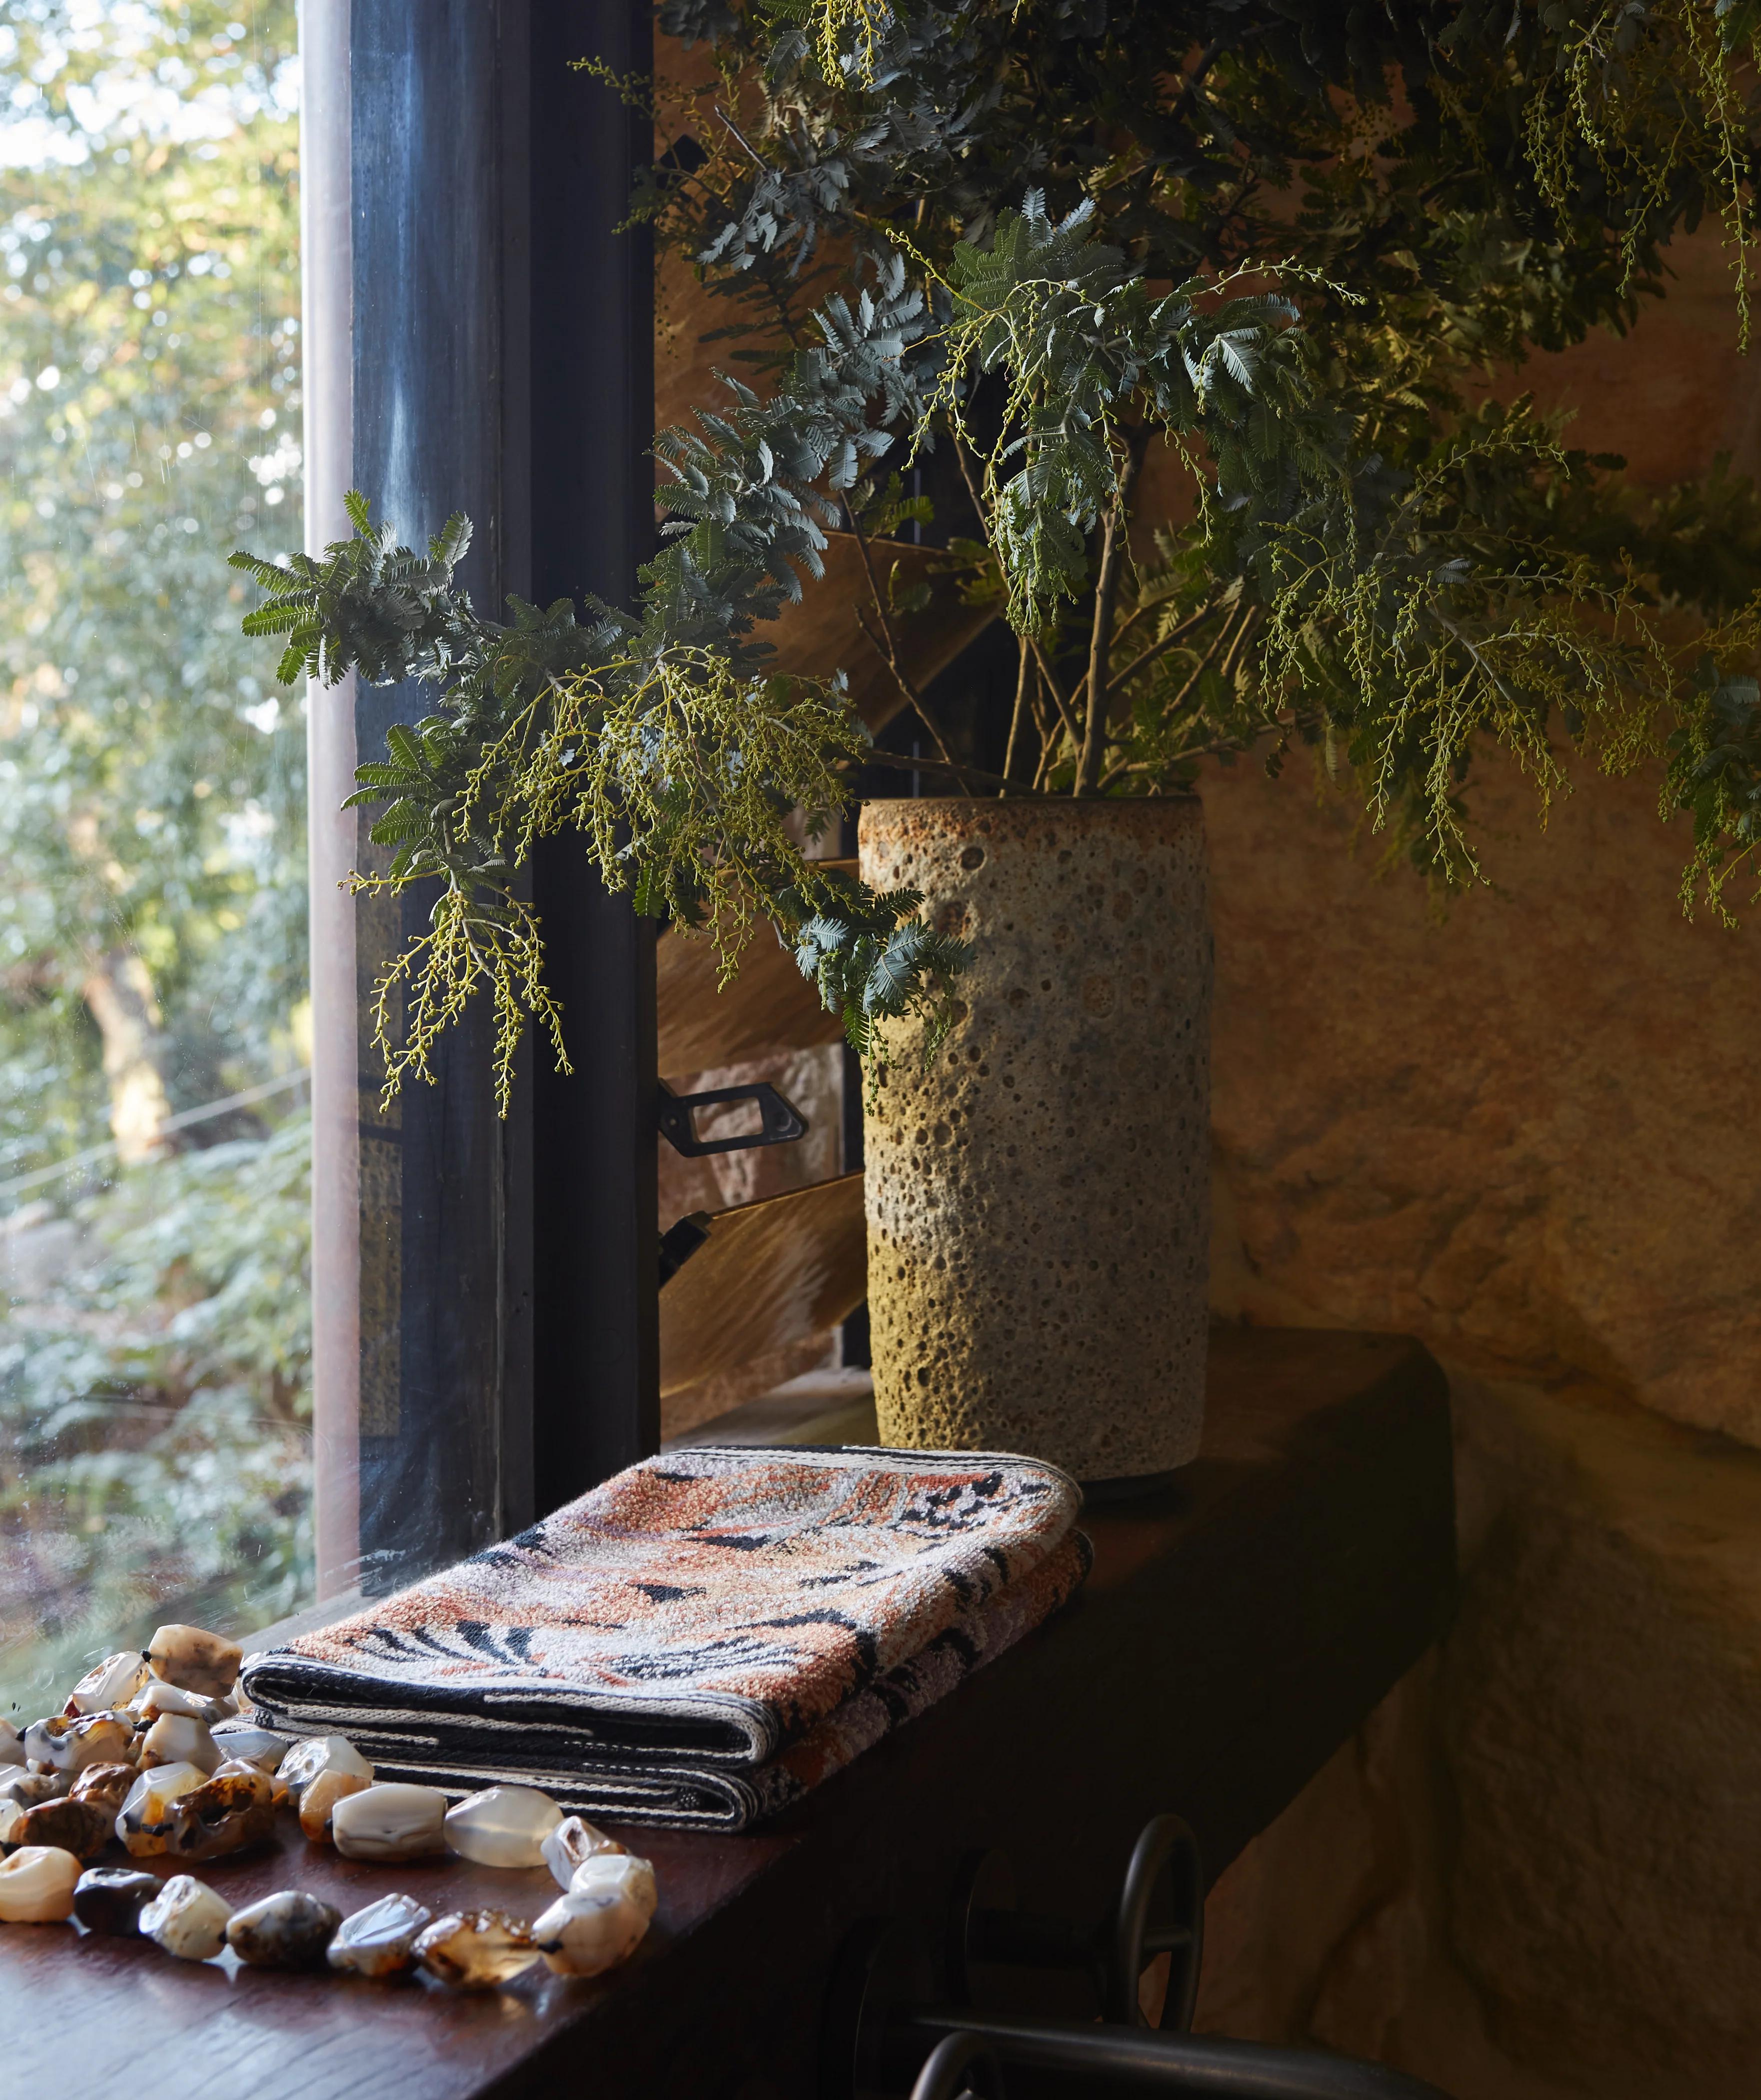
(188, 1919)
(199, 1661)
(148, 1817)
(601, 1919)
(503, 1826)
(243, 1742)
(11, 1811)
(389, 1822)
(11, 1744)
(112, 1682)
(380, 1940)
(319, 1754)
(29, 1788)
(155, 1697)
(572, 1844)
(68, 1743)
(37, 1885)
(180, 1739)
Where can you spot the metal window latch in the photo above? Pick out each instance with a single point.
(782, 1122)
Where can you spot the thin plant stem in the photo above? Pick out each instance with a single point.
(1023, 673)
(887, 644)
(1115, 549)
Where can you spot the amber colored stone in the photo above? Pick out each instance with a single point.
(82, 1827)
(474, 1950)
(107, 1785)
(319, 1799)
(199, 1661)
(235, 1808)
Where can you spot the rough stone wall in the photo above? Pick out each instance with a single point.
(1523, 1133)
(1530, 1875)
(1520, 1132)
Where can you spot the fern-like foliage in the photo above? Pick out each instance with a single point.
(1283, 243)
(1084, 342)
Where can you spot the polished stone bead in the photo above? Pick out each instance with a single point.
(11, 1744)
(389, 1822)
(380, 1940)
(473, 1950)
(188, 1919)
(599, 1920)
(244, 1743)
(150, 1815)
(111, 1899)
(13, 1813)
(235, 1809)
(199, 1661)
(68, 1743)
(28, 1788)
(37, 1885)
(82, 1827)
(290, 1930)
(318, 1801)
(319, 1754)
(107, 1785)
(155, 1697)
(573, 1842)
(110, 1683)
(180, 1739)
(503, 1826)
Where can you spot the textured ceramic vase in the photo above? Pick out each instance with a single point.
(1039, 1199)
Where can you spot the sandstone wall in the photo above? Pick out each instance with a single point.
(1522, 1132)
(1531, 1874)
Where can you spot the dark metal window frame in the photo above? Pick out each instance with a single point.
(486, 1292)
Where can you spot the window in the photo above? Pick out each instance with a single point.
(155, 1445)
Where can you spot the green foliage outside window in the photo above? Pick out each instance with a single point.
(154, 1399)
(1284, 241)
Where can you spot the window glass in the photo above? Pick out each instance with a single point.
(155, 1440)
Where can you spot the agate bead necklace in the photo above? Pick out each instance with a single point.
(155, 1750)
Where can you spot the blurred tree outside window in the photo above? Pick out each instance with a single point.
(154, 1389)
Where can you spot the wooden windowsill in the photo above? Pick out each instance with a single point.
(1234, 1633)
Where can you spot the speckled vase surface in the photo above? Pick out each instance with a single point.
(1038, 1200)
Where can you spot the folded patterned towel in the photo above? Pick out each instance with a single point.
(708, 1795)
(673, 1631)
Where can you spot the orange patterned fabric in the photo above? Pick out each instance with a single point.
(701, 1614)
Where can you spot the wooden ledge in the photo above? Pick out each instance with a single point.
(1234, 1632)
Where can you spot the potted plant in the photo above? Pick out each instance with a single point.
(1185, 309)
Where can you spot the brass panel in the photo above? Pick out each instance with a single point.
(772, 1271)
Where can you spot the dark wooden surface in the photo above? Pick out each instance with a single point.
(1234, 1631)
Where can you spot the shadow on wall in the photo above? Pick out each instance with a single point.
(1531, 1876)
